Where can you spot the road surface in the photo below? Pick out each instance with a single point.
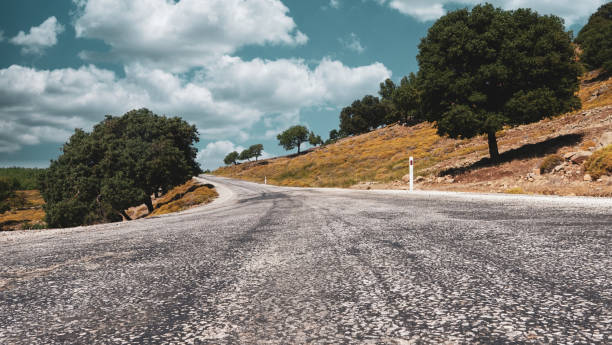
(275, 265)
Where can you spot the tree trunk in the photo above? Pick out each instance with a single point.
(493, 150)
(125, 215)
(149, 204)
(298, 149)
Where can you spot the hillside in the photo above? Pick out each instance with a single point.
(379, 159)
(27, 206)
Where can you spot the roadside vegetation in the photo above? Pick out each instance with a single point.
(123, 162)
(183, 197)
(600, 163)
(489, 81)
(23, 178)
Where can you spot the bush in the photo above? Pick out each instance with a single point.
(600, 163)
(66, 213)
(550, 163)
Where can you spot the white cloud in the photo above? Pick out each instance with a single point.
(1, 35)
(287, 85)
(179, 35)
(572, 11)
(40, 37)
(211, 157)
(334, 3)
(352, 43)
(224, 100)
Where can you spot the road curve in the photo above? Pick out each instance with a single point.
(277, 265)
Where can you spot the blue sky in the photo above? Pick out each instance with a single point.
(240, 70)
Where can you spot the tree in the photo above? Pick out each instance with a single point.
(487, 68)
(293, 137)
(363, 115)
(333, 135)
(121, 163)
(314, 139)
(595, 40)
(231, 158)
(245, 155)
(256, 150)
(403, 101)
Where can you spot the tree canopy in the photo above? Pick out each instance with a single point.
(245, 155)
(595, 40)
(293, 137)
(314, 139)
(231, 158)
(482, 69)
(121, 163)
(256, 150)
(363, 115)
(403, 101)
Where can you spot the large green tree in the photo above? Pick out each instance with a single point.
(595, 40)
(363, 115)
(121, 163)
(482, 69)
(293, 137)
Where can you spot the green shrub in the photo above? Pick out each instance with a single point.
(66, 213)
(550, 163)
(600, 163)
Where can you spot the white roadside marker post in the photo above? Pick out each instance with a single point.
(265, 179)
(411, 170)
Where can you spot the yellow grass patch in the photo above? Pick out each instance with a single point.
(185, 196)
(200, 195)
(26, 211)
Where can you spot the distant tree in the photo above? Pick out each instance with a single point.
(121, 163)
(333, 135)
(245, 155)
(27, 178)
(231, 158)
(403, 101)
(293, 137)
(314, 139)
(595, 40)
(363, 116)
(256, 150)
(482, 69)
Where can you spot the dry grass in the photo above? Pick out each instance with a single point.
(600, 163)
(595, 94)
(379, 159)
(180, 198)
(26, 211)
(381, 155)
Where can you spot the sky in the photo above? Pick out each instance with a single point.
(240, 70)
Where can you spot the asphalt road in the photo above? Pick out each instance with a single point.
(272, 265)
